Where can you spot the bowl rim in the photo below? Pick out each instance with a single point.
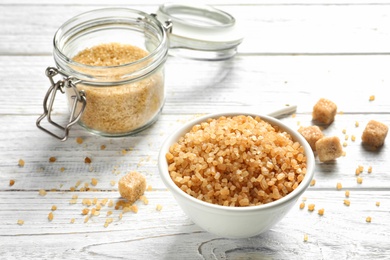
(174, 136)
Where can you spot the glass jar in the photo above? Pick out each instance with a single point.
(123, 97)
(109, 96)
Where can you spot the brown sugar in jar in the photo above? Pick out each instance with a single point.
(123, 108)
(111, 66)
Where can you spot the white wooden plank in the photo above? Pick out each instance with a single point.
(211, 2)
(140, 153)
(342, 232)
(239, 83)
(268, 29)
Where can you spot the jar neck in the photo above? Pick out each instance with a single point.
(110, 25)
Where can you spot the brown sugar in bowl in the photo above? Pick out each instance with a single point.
(236, 187)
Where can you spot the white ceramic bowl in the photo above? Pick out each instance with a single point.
(234, 222)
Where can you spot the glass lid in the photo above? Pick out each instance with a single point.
(200, 32)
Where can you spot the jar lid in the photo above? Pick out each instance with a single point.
(200, 32)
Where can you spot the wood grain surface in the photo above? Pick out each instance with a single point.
(294, 52)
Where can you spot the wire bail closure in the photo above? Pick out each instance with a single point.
(79, 98)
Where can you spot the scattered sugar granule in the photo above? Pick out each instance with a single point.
(62, 169)
(86, 202)
(377, 203)
(347, 193)
(50, 216)
(302, 205)
(109, 213)
(134, 208)
(358, 171)
(103, 202)
(312, 182)
(54, 208)
(86, 219)
(345, 144)
(112, 183)
(120, 216)
(347, 202)
(42, 192)
(72, 220)
(85, 211)
(353, 138)
(311, 207)
(368, 219)
(144, 200)
(11, 182)
(87, 160)
(344, 131)
(369, 170)
(79, 140)
(102, 147)
(305, 238)
(125, 209)
(321, 212)
(124, 151)
(149, 188)
(118, 206)
(111, 203)
(372, 98)
(52, 159)
(339, 186)
(73, 200)
(159, 207)
(95, 212)
(108, 222)
(94, 181)
(21, 163)
(359, 180)
(20, 222)
(356, 124)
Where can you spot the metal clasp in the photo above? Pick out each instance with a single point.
(168, 26)
(78, 97)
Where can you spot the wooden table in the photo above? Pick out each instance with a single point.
(293, 53)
